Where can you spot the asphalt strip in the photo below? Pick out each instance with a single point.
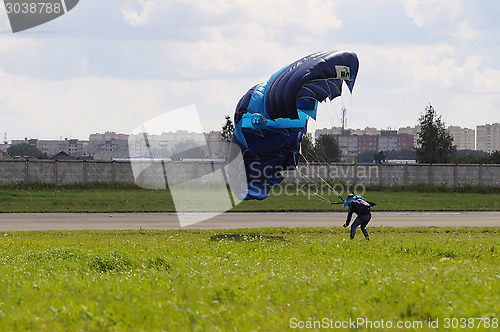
(121, 221)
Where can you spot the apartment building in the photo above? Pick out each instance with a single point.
(73, 147)
(463, 138)
(169, 144)
(488, 137)
(108, 146)
(411, 131)
(369, 143)
(356, 141)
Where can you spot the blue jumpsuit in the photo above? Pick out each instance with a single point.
(363, 218)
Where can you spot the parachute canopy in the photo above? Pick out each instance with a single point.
(271, 118)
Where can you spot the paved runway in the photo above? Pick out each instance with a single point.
(80, 221)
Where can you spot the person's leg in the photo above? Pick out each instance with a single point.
(364, 223)
(355, 224)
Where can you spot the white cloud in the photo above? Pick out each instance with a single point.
(209, 53)
(20, 49)
(395, 83)
(4, 21)
(488, 82)
(78, 107)
(314, 16)
(84, 67)
(81, 106)
(448, 73)
(430, 11)
(220, 57)
(148, 10)
(417, 67)
(465, 31)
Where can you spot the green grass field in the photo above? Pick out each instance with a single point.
(128, 198)
(247, 280)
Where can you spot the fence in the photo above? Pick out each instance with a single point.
(72, 172)
(389, 175)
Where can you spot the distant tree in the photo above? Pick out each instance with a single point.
(228, 129)
(369, 156)
(327, 149)
(350, 159)
(435, 143)
(186, 149)
(26, 150)
(471, 157)
(307, 150)
(366, 157)
(495, 157)
(404, 154)
(379, 157)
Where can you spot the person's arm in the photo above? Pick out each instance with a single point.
(349, 216)
(372, 203)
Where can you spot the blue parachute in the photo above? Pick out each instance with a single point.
(271, 118)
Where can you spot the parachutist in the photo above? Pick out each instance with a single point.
(362, 208)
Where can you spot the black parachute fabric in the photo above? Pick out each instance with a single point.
(313, 78)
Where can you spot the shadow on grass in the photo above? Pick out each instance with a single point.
(246, 237)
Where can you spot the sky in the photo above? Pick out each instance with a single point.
(113, 65)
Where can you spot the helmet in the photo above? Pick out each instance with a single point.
(349, 199)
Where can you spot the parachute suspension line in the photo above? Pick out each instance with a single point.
(309, 191)
(349, 102)
(308, 178)
(322, 198)
(322, 179)
(330, 111)
(330, 114)
(316, 156)
(329, 107)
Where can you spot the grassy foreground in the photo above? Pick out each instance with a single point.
(129, 198)
(259, 279)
